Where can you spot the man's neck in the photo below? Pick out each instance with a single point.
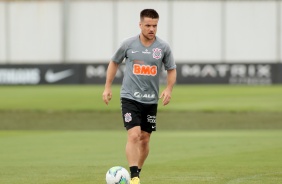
(146, 42)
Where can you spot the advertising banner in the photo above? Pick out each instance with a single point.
(239, 73)
(231, 73)
(40, 74)
(96, 74)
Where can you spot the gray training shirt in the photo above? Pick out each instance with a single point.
(142, 68)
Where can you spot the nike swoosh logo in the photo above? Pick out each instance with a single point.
(52, 77)
(134, 51)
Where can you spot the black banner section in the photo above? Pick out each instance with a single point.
(40, 74)
(239, 73)
(231, 73)
(96, 74)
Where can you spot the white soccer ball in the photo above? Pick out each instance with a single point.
(117, 175)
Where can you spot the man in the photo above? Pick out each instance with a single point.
(144, 55)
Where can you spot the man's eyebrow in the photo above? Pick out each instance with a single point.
(151, 24)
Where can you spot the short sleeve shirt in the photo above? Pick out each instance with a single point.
(143, 67)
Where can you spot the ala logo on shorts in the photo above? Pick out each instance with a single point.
(127, 117)
(157, 53)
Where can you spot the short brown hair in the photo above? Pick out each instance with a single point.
(150, 13)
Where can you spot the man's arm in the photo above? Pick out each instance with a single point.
(171, 79)
(111, 73)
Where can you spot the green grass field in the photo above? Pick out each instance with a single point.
(207, 134)
(185, 98)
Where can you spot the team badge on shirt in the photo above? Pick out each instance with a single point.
(157, 53)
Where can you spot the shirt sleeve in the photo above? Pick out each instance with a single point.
(120, 54)
(168, 59)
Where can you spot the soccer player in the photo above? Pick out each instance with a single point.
(144, 55)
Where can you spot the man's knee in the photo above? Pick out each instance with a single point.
(134, 134)
(144, 138)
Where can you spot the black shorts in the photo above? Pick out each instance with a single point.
(139, 114)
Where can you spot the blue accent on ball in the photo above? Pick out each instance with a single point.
(113, 171)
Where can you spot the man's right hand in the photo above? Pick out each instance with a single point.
(107, 95)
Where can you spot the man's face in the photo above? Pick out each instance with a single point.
(148, 27)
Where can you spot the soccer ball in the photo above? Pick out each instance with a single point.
(117, 175)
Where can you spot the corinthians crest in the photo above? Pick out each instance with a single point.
(157, 53)
(127, 117)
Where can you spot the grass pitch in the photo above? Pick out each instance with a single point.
(196, 157)
(207, 134)
(211, 98)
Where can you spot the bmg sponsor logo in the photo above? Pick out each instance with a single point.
(145, 70)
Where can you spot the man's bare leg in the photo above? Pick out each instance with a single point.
(143, 148)
(132, 149)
